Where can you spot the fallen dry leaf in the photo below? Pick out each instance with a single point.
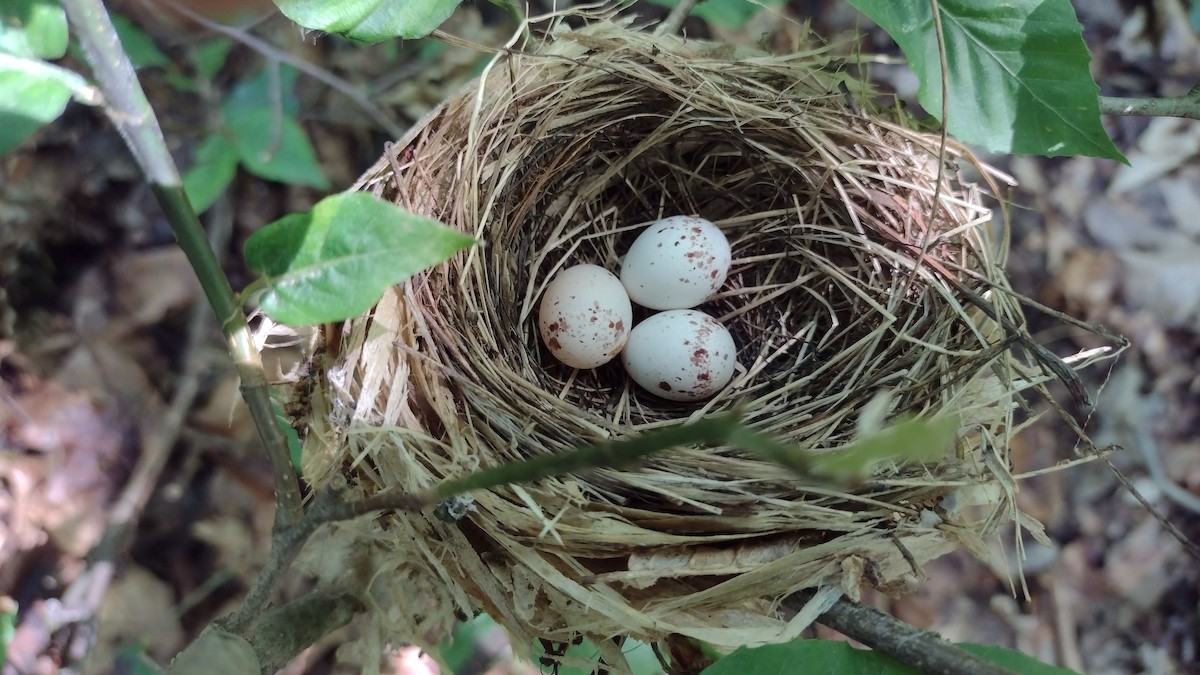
(149, 285)
(139, 607)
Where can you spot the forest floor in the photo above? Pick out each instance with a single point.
(108, 354)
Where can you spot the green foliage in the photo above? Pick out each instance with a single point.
(906, 440)
(457, 651)
(33, 29)
(830, 656)
(727, 13)
(215, 167)
(216, 651)
(33, 92)
(1017, 73)
(295, 449)
(261, 133)
(584, 658)
(370, 20)
(267, 88)
(8, 627)
(335, 261)
(274, 147)
(814, 656)
(132, 659)
(139, 46)
(210, 56)
(269, 141)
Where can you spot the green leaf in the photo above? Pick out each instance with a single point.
(274, 146)
(295, 448)
(459, 649)
(215, 167)
(370, 20)
(30, 96)
(216, 651)
(817, 656)
(641, 658)
(210, 57)
(430, 50)
(726, 13)
(905, 441)
(267, 88)
(829, 656)
(260, 114)
(584, 658)
(132, 659)
(335, 261)
(33, 28)
(139, 46)
(8, 626)
(1018, 77)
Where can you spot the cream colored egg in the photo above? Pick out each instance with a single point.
(681, 355)
(585, 316)
(676, 263)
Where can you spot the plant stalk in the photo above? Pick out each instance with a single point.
(924, 650)
(674, 20)
(130, 112)
(1186, 106)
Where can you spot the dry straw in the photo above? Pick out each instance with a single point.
(856, 273)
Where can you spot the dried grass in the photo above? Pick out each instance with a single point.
(843, 286)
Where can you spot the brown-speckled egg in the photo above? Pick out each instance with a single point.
(681, 355)
(585, 316)
(676, 263)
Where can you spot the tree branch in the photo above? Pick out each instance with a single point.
(131, 113)
(284, 632)
(1186, 106)
(924, 650)
(285, 546)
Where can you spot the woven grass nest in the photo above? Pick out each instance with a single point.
(842, 288)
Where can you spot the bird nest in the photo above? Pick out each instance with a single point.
(863, 270)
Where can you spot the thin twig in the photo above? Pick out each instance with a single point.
(285, 546)
(286, 631)
(674, 21)
(131, 113)
(924, 650)
(1186, 106)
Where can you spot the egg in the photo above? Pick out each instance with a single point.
(680, 355)
(585, 316)
(676, 263)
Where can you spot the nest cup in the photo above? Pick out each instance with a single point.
(849, 281)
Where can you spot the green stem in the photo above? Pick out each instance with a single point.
(130, 112)
(674, 20)
(1186, 106)
(713, 430)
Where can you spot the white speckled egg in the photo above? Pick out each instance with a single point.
(585, 316)
(681, 355)
(676, 263)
